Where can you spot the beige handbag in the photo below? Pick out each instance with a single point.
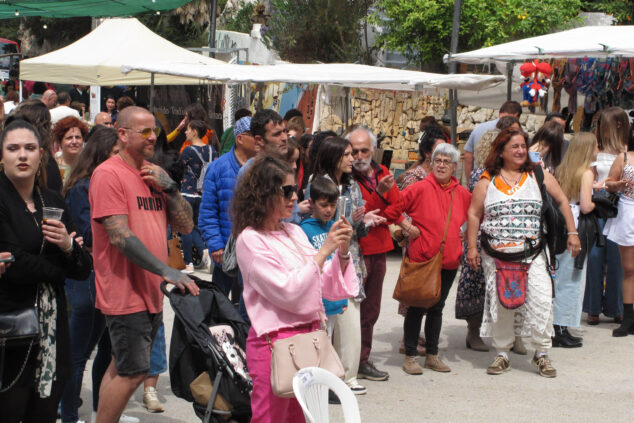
(289, 355)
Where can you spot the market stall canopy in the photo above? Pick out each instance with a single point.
(588, 41)
(96, 58)
(79, 8)
(347, 75)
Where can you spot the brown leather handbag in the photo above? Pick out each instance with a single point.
(175, 258)
(419, 283)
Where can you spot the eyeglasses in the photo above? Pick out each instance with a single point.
(444, 162)
(361, 150)
(146, 132)
(288, 191)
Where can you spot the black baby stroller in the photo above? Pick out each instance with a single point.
(207, 362)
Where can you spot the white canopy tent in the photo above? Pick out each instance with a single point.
(588, 41)
(96, 58)
(347, 75)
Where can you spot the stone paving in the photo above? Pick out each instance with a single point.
(595, 383)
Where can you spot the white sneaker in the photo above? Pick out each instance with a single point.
(189, 269)
(128, 419)
(357, 389)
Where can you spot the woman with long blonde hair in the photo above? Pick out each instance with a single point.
(576, 177)
(604, 263)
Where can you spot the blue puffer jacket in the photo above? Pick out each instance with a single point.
(214, 220)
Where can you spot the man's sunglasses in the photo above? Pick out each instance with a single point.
(146, 132)
(288, 191)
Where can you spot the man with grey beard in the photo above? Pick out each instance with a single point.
(379, 192)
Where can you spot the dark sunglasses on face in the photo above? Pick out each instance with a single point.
(362, 150)
(146, 132)
(288, 191)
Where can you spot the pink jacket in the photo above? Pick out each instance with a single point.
(280, 289)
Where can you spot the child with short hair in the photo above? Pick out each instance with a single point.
(323, 201)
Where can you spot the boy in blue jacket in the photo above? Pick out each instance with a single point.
(323, 200)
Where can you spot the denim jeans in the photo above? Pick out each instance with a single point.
(87, 329)
(604, 264)
(195, 238)
(158, 356)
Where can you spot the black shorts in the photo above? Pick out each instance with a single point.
(132, 337)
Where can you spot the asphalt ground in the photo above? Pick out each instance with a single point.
(594, 383)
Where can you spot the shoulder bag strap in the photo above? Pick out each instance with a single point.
(444, 237)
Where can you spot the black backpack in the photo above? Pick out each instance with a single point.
(553, 222)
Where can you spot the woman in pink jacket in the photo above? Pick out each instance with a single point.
(285, 278)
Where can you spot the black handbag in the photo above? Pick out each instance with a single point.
(553, 222)
(18, 327)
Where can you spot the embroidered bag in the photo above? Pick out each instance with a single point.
(510, 282)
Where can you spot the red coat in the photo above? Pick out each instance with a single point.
(427, 203)
(379, 239)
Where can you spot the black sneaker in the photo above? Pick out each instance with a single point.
(368, 371)
(333, 398)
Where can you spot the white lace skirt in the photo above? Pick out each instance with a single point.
(537, 311)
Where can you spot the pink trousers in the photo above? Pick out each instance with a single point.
(266, 407)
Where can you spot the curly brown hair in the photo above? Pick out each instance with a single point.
(64, 125)
(494, 163)
(257, 191)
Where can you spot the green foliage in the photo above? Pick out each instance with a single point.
(241, 21)
(190, 34)
(622, 10)
(305, 31)
(421, 29)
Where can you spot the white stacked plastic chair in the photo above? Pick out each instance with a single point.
(311, 386)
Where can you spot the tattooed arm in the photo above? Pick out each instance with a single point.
(133, 249)
(179, 211)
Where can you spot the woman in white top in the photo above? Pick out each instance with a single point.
(576, 179)
(604, 263)
(621, 230)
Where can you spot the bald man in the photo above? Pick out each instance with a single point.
(104, 119)
(49, 98)
(132, 201)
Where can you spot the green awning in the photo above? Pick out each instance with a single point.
(76, 8)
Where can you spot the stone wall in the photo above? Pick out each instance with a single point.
(397, 115)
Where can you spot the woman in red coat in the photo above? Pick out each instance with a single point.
(427, 203)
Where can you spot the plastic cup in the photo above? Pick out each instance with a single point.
(52, 213)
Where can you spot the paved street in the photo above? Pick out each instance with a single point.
(594, 383)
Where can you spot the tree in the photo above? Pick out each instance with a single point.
(421, 29)
(318, 30)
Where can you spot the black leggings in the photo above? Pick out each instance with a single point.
(22, 403)
(433, 323)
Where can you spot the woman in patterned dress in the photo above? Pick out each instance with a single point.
(506, 207)
(470, 293)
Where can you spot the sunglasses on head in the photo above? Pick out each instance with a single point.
(146, 132)
(288, 191)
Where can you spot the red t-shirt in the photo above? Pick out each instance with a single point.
(116, 188)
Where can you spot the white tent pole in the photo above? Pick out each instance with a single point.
(152, 92)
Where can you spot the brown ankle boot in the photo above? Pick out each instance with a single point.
(411, 366)
(473, 333)
(434, 363)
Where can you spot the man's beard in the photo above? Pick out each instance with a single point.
(362, 164)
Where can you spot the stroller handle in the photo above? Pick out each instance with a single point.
(164, 289)
(197, 280)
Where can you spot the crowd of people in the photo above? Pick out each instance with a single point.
(313, 217)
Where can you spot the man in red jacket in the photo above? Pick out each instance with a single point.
(379, 192)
